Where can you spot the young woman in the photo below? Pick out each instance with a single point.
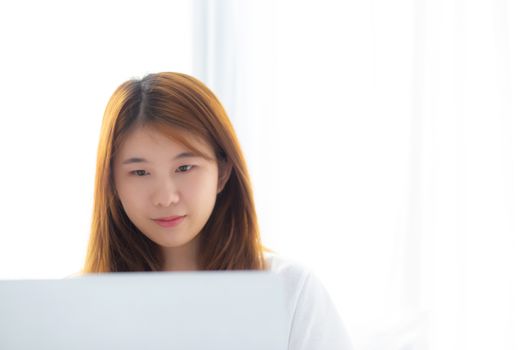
(172, 193)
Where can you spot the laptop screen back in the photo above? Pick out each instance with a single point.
(154, 310)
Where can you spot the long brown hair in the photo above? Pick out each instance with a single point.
(171, 102)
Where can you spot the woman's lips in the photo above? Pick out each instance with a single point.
(169, 221)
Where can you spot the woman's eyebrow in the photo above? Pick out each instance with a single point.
(133, 160)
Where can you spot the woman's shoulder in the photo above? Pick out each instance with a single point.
(75, 274)
(286, 266)
(296, 276)
(314, 320)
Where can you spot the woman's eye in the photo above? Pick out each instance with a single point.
(184, 168)
(181, 169)
(139, 172)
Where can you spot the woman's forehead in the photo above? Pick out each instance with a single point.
(147, 140)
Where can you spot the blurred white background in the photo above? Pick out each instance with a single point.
(384, 139)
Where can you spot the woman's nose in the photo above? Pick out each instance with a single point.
(166, 194)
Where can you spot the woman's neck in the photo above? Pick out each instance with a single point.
(184, 258)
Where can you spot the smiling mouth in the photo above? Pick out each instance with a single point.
(175, 220)
(170, 218)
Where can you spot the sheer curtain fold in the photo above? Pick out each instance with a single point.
(467, 174)
(216, 48)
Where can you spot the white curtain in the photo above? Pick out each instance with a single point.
(386, 144)
(468, 165)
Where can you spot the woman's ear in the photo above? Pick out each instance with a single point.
(225, 169)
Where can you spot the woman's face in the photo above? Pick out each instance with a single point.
(157, 178)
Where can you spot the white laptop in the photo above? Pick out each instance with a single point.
(153, 311)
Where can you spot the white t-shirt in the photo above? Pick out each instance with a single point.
(313, 320)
